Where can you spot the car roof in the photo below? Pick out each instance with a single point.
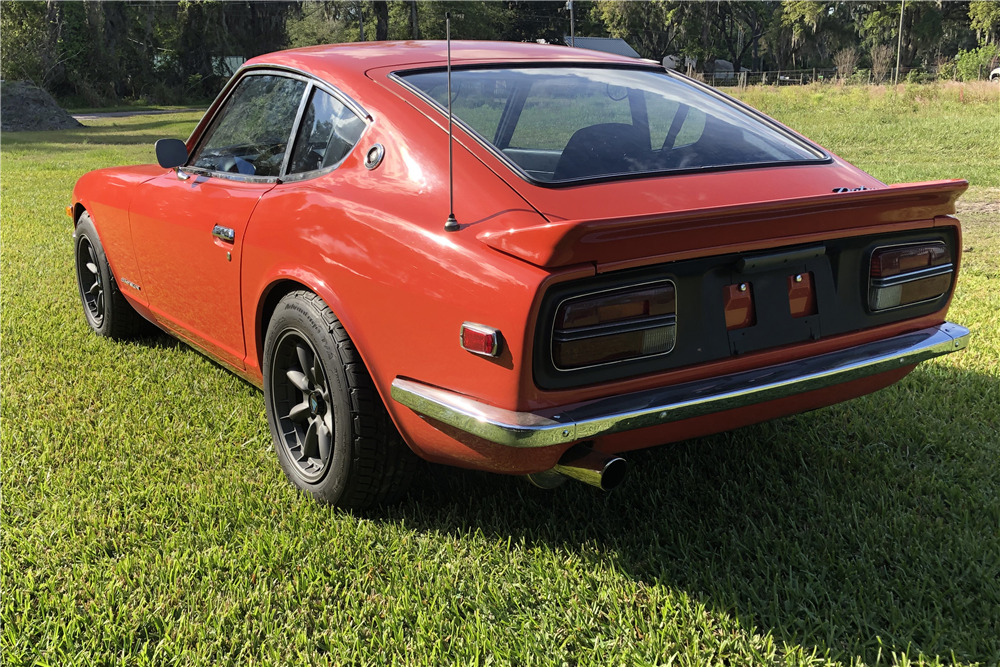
(332, 61)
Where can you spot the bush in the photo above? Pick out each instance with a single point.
(916, 76)
(860, 76)
(845, 61)
(947, 70)
(976, 63)
(881, 56)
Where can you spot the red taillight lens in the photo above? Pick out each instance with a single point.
(904, 275)
(617, 325)
(888, 262)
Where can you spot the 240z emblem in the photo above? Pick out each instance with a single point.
(857, 189)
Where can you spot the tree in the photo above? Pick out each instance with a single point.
(414, 20)
(28, 48)
(741, 25)
(984, 18)
(652, 28)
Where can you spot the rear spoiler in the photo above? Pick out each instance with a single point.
(607, 240)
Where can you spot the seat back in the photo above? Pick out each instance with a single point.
(604, 149)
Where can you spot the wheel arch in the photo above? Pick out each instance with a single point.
(78, 210)
(285, 285)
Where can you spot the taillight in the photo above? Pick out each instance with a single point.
(903, 275)
(616, 325)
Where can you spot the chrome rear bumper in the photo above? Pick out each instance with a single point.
(669, 404)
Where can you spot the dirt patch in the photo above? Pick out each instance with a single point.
(977, 206)
(25, 107)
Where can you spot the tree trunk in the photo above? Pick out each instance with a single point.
(381, 20)
(414, 23)
(51, 67)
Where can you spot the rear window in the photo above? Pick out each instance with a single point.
(562, 124)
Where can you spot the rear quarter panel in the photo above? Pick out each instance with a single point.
(372, 244)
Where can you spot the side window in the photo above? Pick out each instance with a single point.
(250, 133)
(328, 132)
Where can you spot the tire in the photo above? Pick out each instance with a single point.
(332, 434)
(107, 310)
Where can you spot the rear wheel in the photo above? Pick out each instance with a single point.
(107, 310)
(332, 434)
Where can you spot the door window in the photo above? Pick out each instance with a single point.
(250, 133)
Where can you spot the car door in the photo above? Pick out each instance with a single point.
(188, 226)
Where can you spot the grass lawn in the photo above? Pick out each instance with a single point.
(145, 520)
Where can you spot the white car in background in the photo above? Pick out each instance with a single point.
(995, 74)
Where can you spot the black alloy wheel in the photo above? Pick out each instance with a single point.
(332, 434)
(302, 402)
(88, 277)
(107, 310)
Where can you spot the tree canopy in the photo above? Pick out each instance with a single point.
(96, 52)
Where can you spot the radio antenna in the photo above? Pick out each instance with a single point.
(451, 225)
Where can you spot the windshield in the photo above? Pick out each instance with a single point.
(560, 124)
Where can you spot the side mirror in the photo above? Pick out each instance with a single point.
(171, 153)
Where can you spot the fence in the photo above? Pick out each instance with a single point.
(803, 77)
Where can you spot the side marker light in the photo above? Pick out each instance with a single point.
(480, 339)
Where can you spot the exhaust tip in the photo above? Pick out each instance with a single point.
(614, 473)
(594, 468)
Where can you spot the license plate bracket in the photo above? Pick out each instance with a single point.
(767, 277)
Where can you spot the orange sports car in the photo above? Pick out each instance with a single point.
(528, 262)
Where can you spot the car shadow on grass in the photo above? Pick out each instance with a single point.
(860, 529)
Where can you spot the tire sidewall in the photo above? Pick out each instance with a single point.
(296, 315)
(85, 230)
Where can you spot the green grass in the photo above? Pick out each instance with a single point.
(145, 520)
(898, 134)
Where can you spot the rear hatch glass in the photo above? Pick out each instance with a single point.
(556, 125)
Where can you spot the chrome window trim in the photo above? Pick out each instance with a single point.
(590, 295)
(299, 113)
(228, 176)
(311, 82)
(323, 171)
(903, 279)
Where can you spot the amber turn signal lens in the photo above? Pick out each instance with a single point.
(801, 295)
(616, 325)
(738, 305)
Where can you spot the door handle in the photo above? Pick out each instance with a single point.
(224, 233)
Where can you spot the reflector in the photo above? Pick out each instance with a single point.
(480, 339)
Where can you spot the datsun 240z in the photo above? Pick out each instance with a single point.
(634, 259)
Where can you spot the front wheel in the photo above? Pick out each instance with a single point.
(332, 434)
(107, 310)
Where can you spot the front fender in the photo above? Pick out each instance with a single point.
(106, 194)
